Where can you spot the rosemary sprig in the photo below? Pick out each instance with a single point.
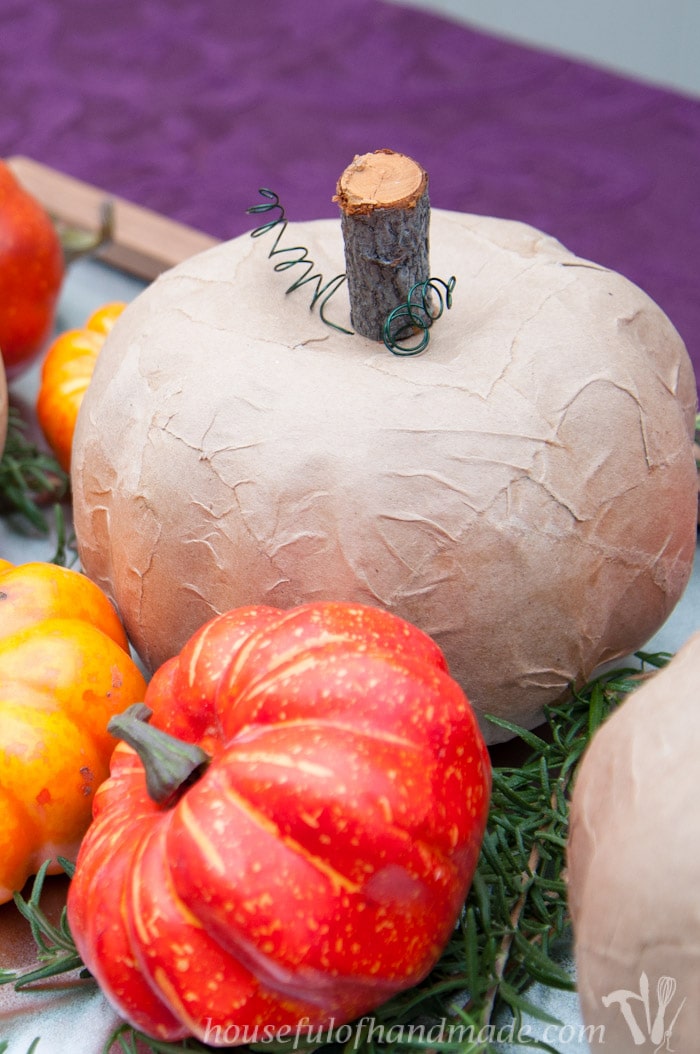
(514, 921)
(30, 478)
(56, 949)
(66, 554)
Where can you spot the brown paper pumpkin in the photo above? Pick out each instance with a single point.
(524, 490)
(634, 867)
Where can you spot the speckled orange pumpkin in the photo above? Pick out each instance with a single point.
(319, 860)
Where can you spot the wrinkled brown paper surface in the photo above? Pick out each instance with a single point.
(634, 866)
(524, 490)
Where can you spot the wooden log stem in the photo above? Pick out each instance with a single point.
(385, 217)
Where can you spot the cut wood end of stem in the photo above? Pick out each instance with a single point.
(380, 180)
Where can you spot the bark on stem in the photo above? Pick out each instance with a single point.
(385, 216)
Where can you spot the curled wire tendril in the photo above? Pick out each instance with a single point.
(410, 320)
(323, 291)
(424, 304)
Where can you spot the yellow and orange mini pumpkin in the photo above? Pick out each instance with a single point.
(65, 375)
(65, 670)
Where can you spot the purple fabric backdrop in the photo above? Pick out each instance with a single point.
(188, 106)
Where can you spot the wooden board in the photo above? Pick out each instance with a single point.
(144, 243)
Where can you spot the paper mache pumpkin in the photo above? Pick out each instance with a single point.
(524, 489)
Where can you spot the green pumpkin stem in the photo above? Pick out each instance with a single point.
(171, 765)
(77, 242)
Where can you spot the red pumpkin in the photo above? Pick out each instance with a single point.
(31, 274)
(318, 861)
